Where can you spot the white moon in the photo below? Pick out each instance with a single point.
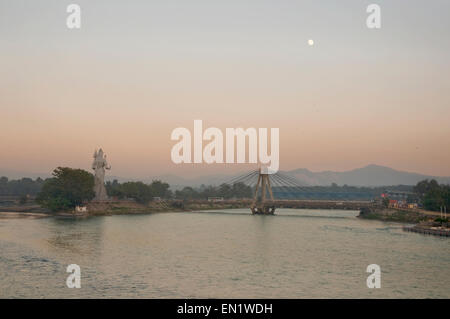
(311, 42)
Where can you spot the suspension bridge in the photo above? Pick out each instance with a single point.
(279, 190)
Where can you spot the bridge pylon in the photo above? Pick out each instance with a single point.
(261, 205)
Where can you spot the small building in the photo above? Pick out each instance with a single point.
(393, 203)
(81, 209)
(398, 195)
(215, 199)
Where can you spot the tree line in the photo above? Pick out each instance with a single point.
(20, 187)
(138, 191)
(73, 187)
(335, 192)
(238, 191)
(432, 195)
(69, 187)
(66, 189)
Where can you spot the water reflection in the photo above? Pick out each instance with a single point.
(76, 236)
(221, 254)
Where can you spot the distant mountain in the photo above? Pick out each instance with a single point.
(371, 175)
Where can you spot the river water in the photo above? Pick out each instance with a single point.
(220, 254)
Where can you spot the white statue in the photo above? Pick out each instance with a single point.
(99, 165)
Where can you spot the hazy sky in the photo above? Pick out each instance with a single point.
(138, 69)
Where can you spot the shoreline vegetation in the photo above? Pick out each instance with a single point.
(425, 222)
(118, 207)
(70, 193)
(396, 215)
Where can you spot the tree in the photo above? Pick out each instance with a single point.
(240, 190)
(187, 193)
(432, 195)
(67, 189)
(114, 189)
(225, 191)
(425, 186)
(23, 199)
(20, 187)
(140, 192)
(160, 189)
(433, 199)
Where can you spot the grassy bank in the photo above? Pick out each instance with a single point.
(123, 208)
(129, 207)
(393, 215)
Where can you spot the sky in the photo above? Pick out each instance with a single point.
(136, 70)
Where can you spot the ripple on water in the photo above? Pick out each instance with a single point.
(224, 254)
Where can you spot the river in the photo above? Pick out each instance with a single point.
(220, 254)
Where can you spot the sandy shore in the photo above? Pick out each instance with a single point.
(10, 215)
(112, 208)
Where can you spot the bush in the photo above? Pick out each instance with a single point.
(432, 195)
(140, 192)
(68, 188)
(23, 199)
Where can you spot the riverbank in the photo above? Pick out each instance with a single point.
(121, 207)
(424, 220)
(14, 215)
(428, 230)
(128, 207)
(414, 216)
(393, 215)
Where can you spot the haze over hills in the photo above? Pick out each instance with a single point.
(370, 175)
